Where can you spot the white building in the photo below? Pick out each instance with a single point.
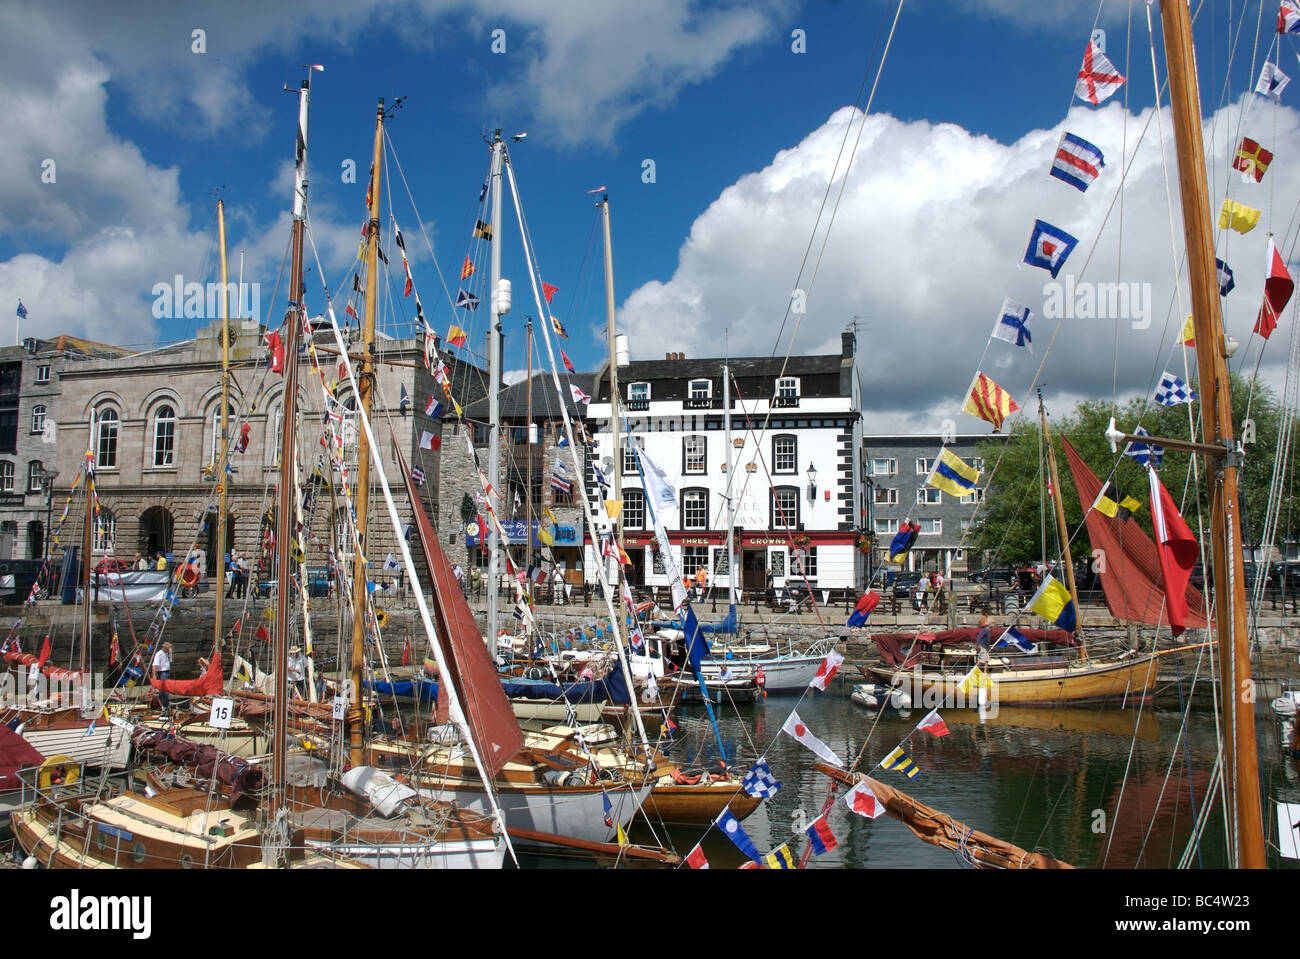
(796, 443)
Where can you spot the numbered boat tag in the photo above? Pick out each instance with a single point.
(222, 710)
(340, 709)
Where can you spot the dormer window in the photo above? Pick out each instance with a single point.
(787, 391)
(638, 396)
(699, 394)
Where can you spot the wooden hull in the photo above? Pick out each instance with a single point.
(1131, 681)
(698, 805)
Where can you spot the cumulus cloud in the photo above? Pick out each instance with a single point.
(928, 239)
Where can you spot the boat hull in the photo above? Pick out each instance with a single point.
(698, 805)
(781, 674)
(106, 746)
(1129, 682)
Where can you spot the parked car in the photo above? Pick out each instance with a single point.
(995, 575)
(905, 582)
(1251, 573)
(1292, 574)
(113, 566)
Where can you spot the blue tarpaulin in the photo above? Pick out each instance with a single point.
(421, 689)
(612, 688)
(728, 625)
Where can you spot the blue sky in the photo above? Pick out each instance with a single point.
(143, 129)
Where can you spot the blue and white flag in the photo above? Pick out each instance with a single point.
(1272, 81)
(759, 781)
(1013, 324)
(22, 311)
(1077, 162)
(730, 827)
(467, 300)
(1172, 391)
(433, 409)
(1145, 453)
(404, 401)
(601, 478)
(1014, 637)
(1049, 247)
(417, 475)
(1226, 282)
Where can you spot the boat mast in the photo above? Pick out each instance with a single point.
(365, 378)
(731, 487)
(500, 305)
(1223, 458)
(528, 482)
(86, 544)
(284, 531)
(1061, 527)
(616, 526)
(223, 477)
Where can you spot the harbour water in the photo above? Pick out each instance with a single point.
(1094, 787)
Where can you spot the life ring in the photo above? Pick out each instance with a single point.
(58, 771)
(189, 576)
(534, 673)
(381, 617)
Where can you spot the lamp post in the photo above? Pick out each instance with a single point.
(812, 483)
(47, 482)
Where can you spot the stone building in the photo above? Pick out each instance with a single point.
(157, 440)
(31, 378)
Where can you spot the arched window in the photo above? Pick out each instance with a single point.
(164, 437)
(105, 531)
(38, 418)
(106, 442)
(215, 447)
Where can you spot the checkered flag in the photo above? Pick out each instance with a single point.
(1172, 391)
(759, 781)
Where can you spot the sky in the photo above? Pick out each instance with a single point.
(732, 141)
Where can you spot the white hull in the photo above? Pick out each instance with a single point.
(578, 813)
(781, 674)
(556, 712)
(108, 746)
(468, 854)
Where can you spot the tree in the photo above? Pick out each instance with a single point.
(1009, 525)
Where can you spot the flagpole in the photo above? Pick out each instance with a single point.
(494, 377)
(616, 526)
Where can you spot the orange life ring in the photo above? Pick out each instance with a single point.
(189, 576)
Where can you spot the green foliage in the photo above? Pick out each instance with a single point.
(466, 508)
(1008, 526)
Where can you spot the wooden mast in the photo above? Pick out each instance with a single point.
(285, 538)
(615, 425)
(365, 377)
(528, 481)
(1240, 754)
(223, 476)
(1062, 529)
(87, 545)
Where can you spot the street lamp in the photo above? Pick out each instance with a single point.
(47, 482)
(812, 483)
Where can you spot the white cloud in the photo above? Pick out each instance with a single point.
(928, 239)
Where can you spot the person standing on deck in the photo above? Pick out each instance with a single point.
(162, 669)
(297, 671)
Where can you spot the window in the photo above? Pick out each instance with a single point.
(695, 509)
(886, 527)
(482, 433)
(929, 496)
(43, 373)
(787, 391)
(803, 562)
(9, 430)
(785, 454)
(885, 496)
(977, 462)
(924, 466)
(164, 437)
(884, 467)
(6, 476)
(693, 558)
(105, 531)
(633, 509)
(629, 458)
(785, 507)
(931, 527)
(974, 496)
(694, 455)
(699, 394)
(965, 526)
(38, 418)
(35, 474)
(638, 396)
(106, 446)
(216, 432)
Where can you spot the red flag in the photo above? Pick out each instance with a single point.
(407, 291)
(1178, 552)
(114, 651)
(277, 351)
(45, 653)
(568, 364)
(1277, 292)
(549, 291)
(467, 269)
(351, 312)
(262, 633)
(695, 858)
(406, 652)
(933, 724)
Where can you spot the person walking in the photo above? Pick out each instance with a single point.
(162, 669)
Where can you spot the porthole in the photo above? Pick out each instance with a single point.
(137, 852)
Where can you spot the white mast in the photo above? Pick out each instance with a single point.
(499, 292)
(731, 487)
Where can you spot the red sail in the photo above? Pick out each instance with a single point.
(1131, 577)
(470, 667)
(209, 684)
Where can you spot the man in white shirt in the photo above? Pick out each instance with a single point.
(162, 669)
(297, 673)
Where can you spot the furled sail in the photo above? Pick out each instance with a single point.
(209, 684)
(1131, 575)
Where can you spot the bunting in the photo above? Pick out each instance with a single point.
(989, 401)
(1098, 78)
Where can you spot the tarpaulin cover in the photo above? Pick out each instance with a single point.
(728, 625)
(420, 690)
(613, 688)
(209, 684)
(893, 646)
(160, 745)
